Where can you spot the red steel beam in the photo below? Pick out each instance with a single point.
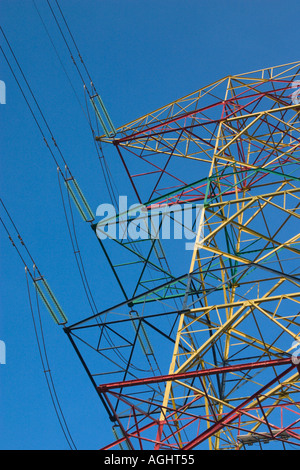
(194, 373)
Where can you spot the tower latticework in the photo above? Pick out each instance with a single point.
(202, 352)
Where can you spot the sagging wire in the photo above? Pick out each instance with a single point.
(59, 58)
(105, 170)
(144, 339)
(46, 368)
(85, 282)
(86, 214)
(76, 251)
(41, 285)
(102, 160)
(103, 117)
(104, 166)
(70, 181)
(43, 291)
(82, 272)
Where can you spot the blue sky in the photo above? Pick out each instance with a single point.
(141, 55)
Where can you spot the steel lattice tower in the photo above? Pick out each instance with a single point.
(201, 352)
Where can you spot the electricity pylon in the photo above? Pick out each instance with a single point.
(202, 352)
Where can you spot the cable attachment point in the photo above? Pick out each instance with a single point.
(50, 301)
(105, 121)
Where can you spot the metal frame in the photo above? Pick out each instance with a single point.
(202, 352)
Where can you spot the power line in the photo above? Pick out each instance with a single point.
(104, 166)
(105, 170)
(40, 342)
(74, 241)
(60, 60)
(47, 371)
